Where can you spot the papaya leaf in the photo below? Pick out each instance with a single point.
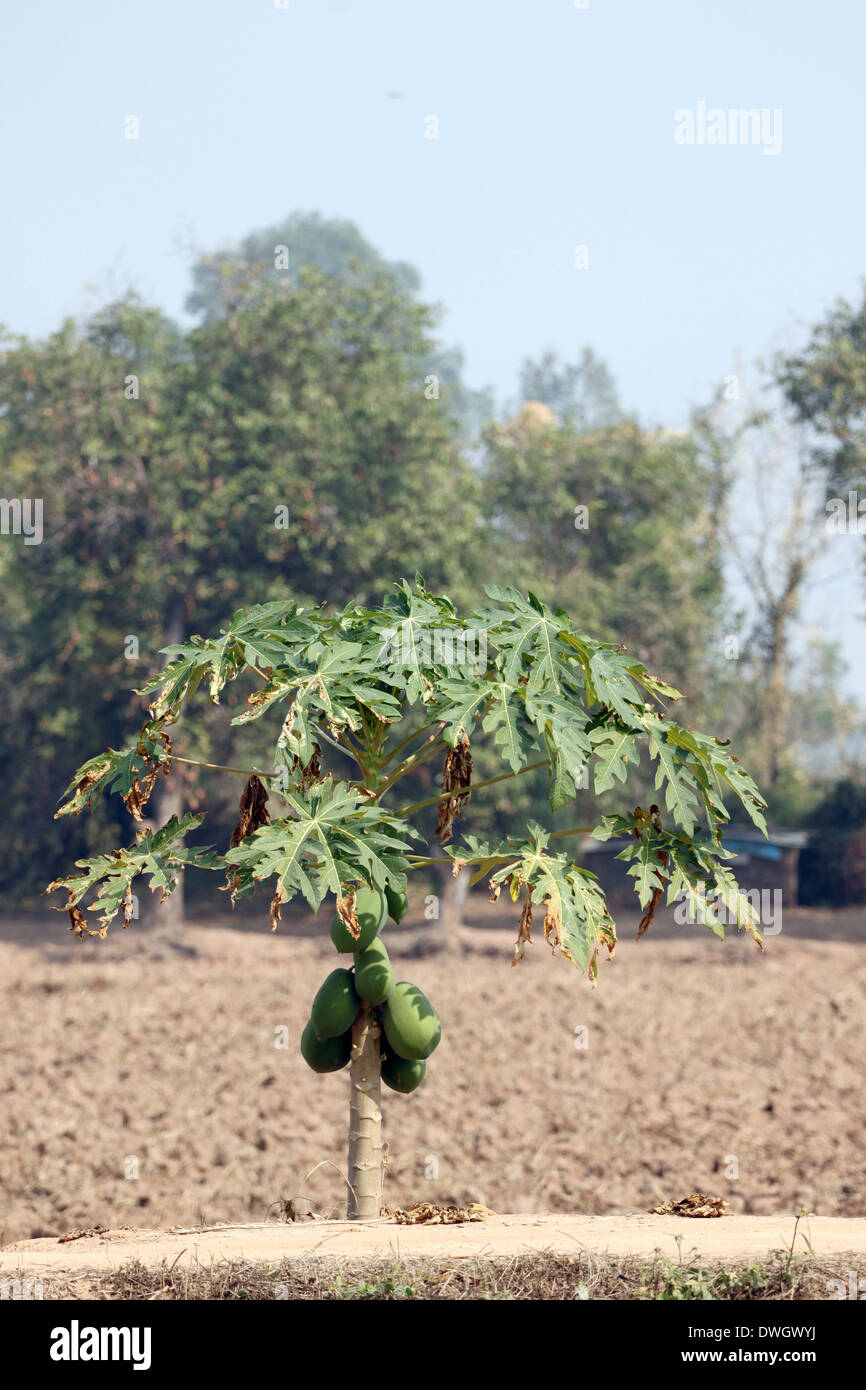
(515, 667)
(615, 748)
(560, 726)
(503, 720)
(157, 854)
(652, 683)
(526, 635)
(116, 770)
(576, 918)
(457, 704)
(674, 775)
(332, 838)
(721, 768)
(324, 684)
(266, 635)
(648, 870)
(561, 782)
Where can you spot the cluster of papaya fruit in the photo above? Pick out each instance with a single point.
(410, 1026)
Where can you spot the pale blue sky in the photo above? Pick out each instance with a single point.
(556, 128)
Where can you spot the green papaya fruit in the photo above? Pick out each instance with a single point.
(336, 1005)
(371, 909)
(330, 1055)
(374, 974)
(397, 901)
(401, 1074)
(410, 1024)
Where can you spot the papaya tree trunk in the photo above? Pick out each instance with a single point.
(365, 1120)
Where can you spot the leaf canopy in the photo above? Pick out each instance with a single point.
(515, 672)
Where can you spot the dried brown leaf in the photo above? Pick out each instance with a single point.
(432, 1214)
(77, 919)
(84, 786)
(276, 903)
(78, 922)
(139, 793)
(552, 923)
(524, 930)
(253, 810)
(607, 938)
(649, 913)
(456, 780)
(347, 915)
(697, 1204)
(127, 906)
(310, 772)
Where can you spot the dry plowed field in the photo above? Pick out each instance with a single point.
(149, 1090)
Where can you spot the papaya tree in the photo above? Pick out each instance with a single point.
(362, 698)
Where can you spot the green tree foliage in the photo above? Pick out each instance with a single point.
(779, 687)
(615, 524)
(256, 268)
(583, 394)
(826, 385)
(70, 437)
(517, 673)
(285, 446)
(256, 271)
(311, 402)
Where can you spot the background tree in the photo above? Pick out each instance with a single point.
(613, 522)
(582, 394)
(825, 384)
(770, 522)
(82, 427)
(283, 445)
(256, 268)
(269, 262)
